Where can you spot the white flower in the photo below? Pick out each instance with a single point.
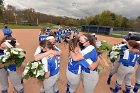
(116, 56)
(19, 49)
(14, 52)
(26, 70)
(40, 73)
(34, 72)
(34, 65)
(104, 41)
(4, 59)
(113, 48)
(98, 44)
(7, 53)
(21, 54)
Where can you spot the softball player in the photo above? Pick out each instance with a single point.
(39, 51)
(58, 36)
(115, 68)
(74, 69)
(137, 84)
(126, 68)
(89, 77)
(7, 31)
(11, 71)
(42, 35)
(48, 31)
(51, 69)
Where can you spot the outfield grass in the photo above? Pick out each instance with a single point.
(20, 27)
(120, 32)
(116, 36)
(52, 26)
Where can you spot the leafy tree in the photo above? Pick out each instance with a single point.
(1, 7)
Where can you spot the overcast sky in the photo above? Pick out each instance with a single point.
(79, 8)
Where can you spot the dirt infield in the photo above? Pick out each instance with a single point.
(28, 40)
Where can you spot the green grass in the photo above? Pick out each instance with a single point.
(20, 27)
(116, 36)
(120, 32)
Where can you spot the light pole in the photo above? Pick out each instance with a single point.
(15, 17)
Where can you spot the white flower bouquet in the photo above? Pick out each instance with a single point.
(13, 56)
(34, 69)
(115, 52)
(103, 46)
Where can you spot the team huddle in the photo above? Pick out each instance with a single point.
(82, 66)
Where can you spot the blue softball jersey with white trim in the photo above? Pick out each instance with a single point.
(51, 65)
(42, 37)
(76, 66)
(89, 53)
(123, 47)
(130, 58)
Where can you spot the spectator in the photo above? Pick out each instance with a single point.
(128, 36)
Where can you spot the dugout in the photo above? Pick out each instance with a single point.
(97, 29)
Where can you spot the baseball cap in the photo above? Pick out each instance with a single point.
(49, 37)
(93, 34)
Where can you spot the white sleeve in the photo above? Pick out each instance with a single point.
(87, 50)
(126, 54)
(89, 61)
(57, 48)
(45, 62)
(38, 50)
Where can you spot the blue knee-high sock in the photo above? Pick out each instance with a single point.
(136, 87)
(4, 91)
(128, 88)
(68, 91)
(21, 91)
(56, 92)
(117, 88)
(110, 76)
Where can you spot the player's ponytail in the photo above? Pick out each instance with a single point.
(133, 44)
(73, 43)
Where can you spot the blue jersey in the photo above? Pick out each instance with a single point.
(67, 33)
(42, 37)
(59, 32)
(58, 57)
(7, 32)
(89, 53)
(129, 58)
(48, 32)
(76, 67)
(123, 47)
(51, 65)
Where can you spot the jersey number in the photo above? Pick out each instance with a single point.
(134, 58)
